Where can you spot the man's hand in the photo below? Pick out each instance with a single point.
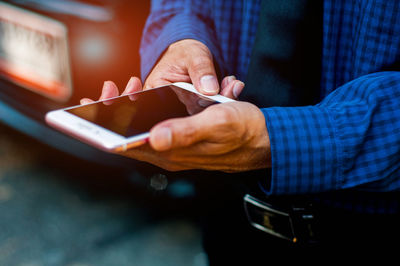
(191, 61)
(184, 61)
(229, 137)
(234, 140)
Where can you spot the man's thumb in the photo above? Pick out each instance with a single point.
(202, 73)
(177, 133)
(161, 138)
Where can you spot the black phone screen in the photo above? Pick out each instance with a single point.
(137, 113)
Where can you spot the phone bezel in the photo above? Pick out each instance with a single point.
(103, 138)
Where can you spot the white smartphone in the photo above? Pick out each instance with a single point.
(121, 123)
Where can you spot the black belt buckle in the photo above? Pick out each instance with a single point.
(294, 224)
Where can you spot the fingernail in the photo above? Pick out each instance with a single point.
(237, 89)
(106, 83)
(163, 138)
(129, 89)
(227, 81)
(231, 78)
(129, 86)
(209, 84)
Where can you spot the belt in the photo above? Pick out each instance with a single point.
(295, 223)
(304, 222)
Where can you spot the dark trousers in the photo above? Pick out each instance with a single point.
(345, 237)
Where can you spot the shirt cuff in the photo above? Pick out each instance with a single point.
(305, 155)
(178, 28)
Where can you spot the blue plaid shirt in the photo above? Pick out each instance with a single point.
(347, 146)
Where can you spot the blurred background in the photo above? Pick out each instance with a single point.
(63, 202)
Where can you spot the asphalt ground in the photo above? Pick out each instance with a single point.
(59, 210)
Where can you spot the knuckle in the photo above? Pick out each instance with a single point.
(225, 115)
(183, 135)
(201, 62)
(188, 135)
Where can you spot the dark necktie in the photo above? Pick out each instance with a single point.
(285, 63)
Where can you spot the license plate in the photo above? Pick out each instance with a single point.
(34, 52)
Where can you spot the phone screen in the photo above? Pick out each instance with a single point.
(137, 113)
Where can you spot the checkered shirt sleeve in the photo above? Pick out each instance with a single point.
(226, 27)
(351, 139)
(171, 21)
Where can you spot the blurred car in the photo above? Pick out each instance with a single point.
(53, 53)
